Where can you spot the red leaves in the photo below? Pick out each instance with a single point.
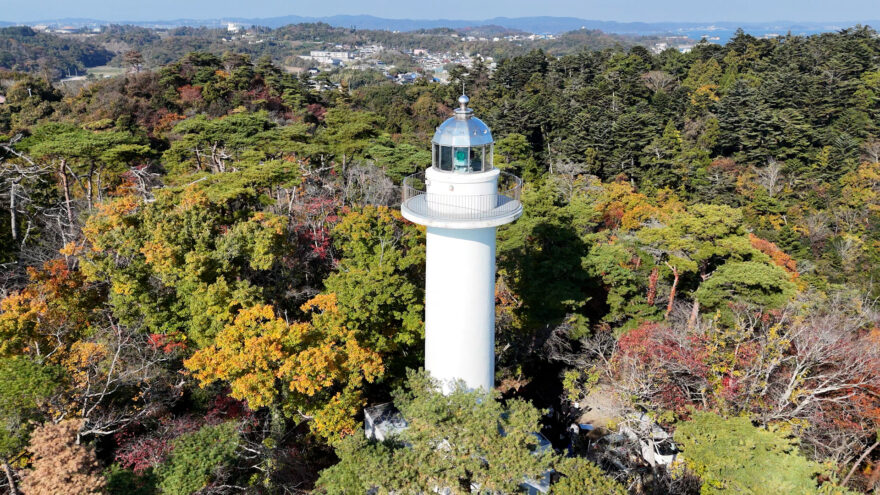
(142, 453)
(317, 111)
(140, 449)
(612, 217)
(655, 344)
(675, 365)
(319, 217)
(166, 343)
(318, 240)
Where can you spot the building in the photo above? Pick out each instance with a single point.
(461, 199)
(407, 77)
(329, 57)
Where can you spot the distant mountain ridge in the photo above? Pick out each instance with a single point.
(538, 24)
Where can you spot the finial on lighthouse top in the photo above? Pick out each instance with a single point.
(463, 112)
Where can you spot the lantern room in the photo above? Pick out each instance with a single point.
(462, 144)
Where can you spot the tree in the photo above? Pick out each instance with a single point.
(398, 160)
(49, 314)
(455, 442)
(706, 248)
(134, 59)
(60, 465)
(315, 370)
(27, 388)
(664, 157)
(581, 477)
(197, 459)
(221, 145)
(513, 152)
(92, 160)
(731, 455)
(184, 264)
(348, 133)
(760, 284)
(59, 320)
(378, 280)
(812, 364)
(541, 257)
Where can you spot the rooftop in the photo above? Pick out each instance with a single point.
(463, 129)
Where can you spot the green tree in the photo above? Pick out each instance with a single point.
(348, 133)
(732, 456)
(184, 264)
(581, 477)
(453, 441)
(221, 145)
(26, 390)
(197, 459)
(92, 160)
(378, 281)
(664, 159)
(707, 249)
(541, 256)
(755, 283)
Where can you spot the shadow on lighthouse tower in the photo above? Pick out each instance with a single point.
(461, 199)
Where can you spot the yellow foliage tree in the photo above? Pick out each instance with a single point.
(313, 369)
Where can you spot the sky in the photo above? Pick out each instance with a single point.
(606, 10)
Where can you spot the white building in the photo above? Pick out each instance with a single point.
(459, 201)
(329, 57)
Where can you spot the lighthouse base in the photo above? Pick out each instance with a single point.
(460, 307)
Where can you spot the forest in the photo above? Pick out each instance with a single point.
(206, 277)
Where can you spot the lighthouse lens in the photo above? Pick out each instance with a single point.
(461, 159)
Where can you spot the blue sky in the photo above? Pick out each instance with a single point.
(611, 10)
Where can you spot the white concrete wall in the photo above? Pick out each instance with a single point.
(460, 306)
(462, 184)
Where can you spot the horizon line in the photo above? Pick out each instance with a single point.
(242, 18)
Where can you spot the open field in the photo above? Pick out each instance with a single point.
(106, 71)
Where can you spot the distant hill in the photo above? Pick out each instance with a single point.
(26, 50)
(540, 24)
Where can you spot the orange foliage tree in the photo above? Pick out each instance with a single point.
(49, 314)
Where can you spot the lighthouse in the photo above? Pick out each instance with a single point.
(461, 199)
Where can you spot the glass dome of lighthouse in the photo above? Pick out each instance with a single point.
(461, 189)
(463, 143)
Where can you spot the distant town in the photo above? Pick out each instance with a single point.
(330, 54)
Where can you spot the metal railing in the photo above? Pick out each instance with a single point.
(462, 206)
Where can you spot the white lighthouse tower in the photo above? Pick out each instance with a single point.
(461, 199)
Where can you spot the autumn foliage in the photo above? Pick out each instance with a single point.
(315, 368)
(60, 465)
